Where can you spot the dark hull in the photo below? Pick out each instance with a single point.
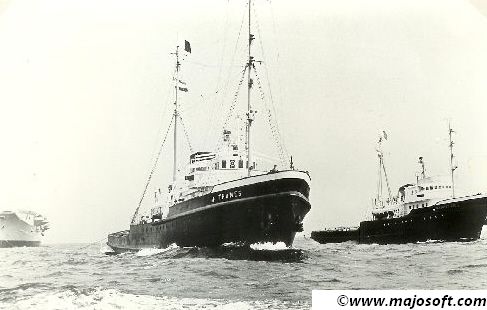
(270, 211)
(459, 220)
(335, 236)
(455, 221)
(18, 243)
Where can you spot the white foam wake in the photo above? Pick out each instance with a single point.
(483, 233)
(269, 246)
(104, 249)
(154, 251)
(108, 299)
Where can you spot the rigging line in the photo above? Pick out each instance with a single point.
(89, 244)
(232, 107)
(207, 176)
(168, 92)
(185, 133)
(223, 46)
(225, 87)
(151, 173)
(210, 66)
(164, 110)
(235, 97)
(269, 84)
(387, 179)
(272, 123)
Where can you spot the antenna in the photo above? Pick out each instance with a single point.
(452, 167)
(176, 114)
(250, 116)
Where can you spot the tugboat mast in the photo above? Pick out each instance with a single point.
(452, 168)
(249, 107)
(382, 167)
(176, 114)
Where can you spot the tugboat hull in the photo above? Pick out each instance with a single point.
(269, 211)
(453, 220)
(18, 243)
(336, 235)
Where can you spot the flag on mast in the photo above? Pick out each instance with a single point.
(182, 86)
(187, 46)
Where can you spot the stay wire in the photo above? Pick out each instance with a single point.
(225, 87)
(229, 114)
(151, 172)
(272, 123)
(281, 140)
(186, 133)
(90, 244)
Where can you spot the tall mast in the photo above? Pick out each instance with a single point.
(452, 168)
(382, 168)
(176, 115)
(379, 180)
(249, 107)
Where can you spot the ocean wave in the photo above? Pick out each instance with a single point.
(256, 252)
(24, 289)
(154, 251)
(430, 241)
(105, 249)
(114, 299)
(243, 253)
(269, 246)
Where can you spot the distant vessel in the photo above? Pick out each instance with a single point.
(223, 197)
(21, 228)
(426, 210)
(336, 235)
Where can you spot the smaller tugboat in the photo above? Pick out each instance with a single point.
(336, 235)
(426, 210)
(21, 228)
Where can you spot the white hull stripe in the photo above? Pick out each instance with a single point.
(460, 199)
(220, 204)
(289, 174)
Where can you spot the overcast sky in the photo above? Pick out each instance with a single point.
(85, 97)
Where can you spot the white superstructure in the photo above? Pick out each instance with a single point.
(425, 193)
(21, 228)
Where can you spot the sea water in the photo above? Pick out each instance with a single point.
(76, 276)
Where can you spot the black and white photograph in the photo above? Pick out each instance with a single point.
(242, 154)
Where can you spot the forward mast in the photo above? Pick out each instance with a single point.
(250, 113)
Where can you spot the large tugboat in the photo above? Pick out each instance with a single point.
(425, 210)
(21, 228)
(223, 197)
